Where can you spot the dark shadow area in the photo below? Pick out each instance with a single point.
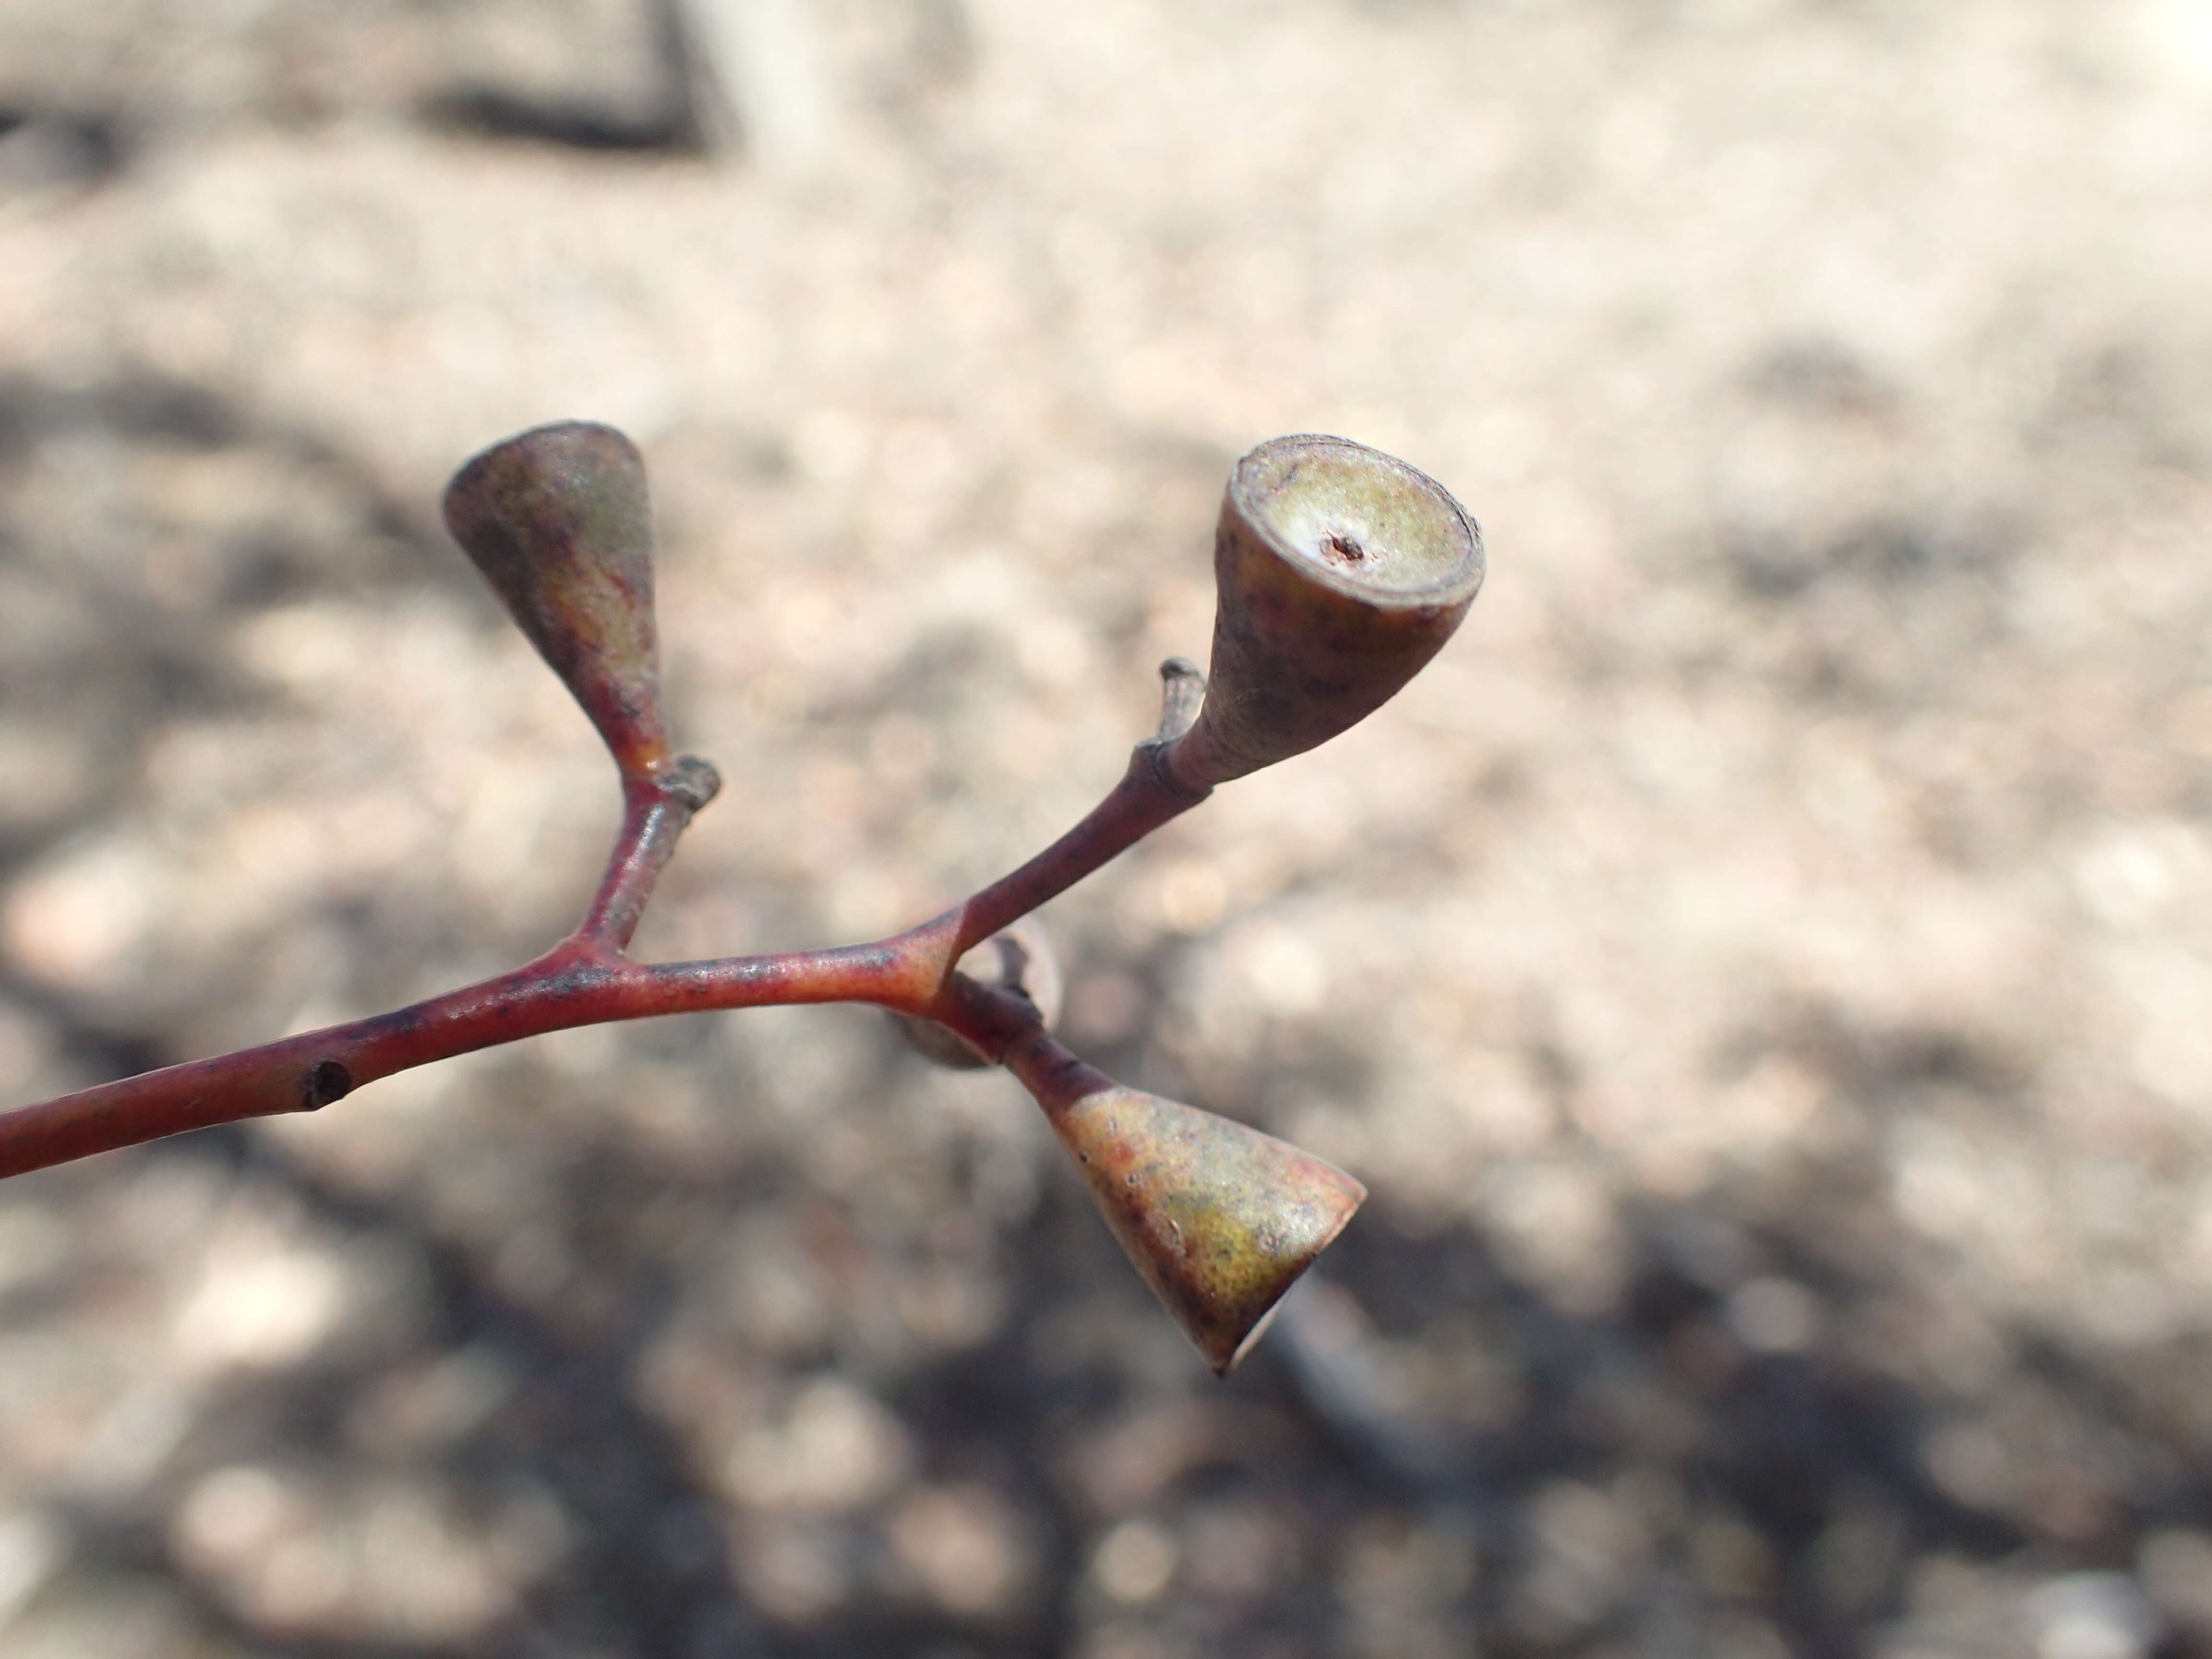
(43, 148)
(488, 112)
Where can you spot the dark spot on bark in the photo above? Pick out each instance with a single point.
(329, 1081)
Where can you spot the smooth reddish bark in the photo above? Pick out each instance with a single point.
(585, 980)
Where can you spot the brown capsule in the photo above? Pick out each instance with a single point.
(1339, 571)
(1220, 1219)
(558, 520)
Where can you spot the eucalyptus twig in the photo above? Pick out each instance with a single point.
(1340, 572)
(657, 809)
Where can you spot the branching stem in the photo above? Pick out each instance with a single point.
(587, 979)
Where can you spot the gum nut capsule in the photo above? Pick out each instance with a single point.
(1219, 1219)
(1339, 572)
(558, 520)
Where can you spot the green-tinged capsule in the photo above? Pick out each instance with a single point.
(1339, 572)
(1220, 1219)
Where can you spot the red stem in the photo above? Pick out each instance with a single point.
(1146, 798)
(587, 980)
(657, 808)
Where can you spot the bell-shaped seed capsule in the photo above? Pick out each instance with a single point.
(557, 519)
(1219, 1219)
(1339, 571)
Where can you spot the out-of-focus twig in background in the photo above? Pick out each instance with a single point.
(1763, 969)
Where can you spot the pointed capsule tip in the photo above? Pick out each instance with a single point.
(1219, 1219)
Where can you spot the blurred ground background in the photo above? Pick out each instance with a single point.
(1764, 968)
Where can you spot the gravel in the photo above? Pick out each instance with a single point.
(1763, 968)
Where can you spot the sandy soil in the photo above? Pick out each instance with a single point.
(1764, 968)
